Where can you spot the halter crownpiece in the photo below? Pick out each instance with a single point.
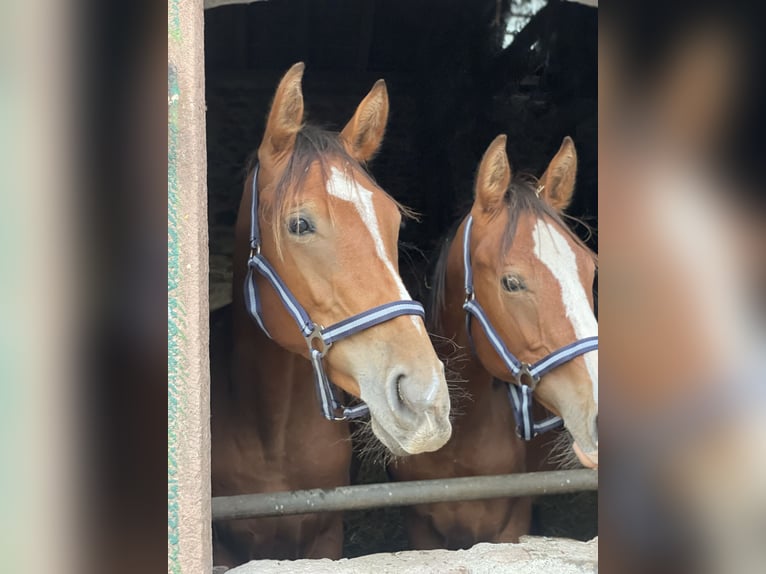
(318, 339)
(526, 376)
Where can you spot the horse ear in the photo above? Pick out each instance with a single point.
(493, 177)
(286, 115)
(558, 181)
(363, 134)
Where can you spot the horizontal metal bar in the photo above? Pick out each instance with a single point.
(403, 493)
(208, 4)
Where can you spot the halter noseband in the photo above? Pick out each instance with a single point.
(318, 339)
(526, 376)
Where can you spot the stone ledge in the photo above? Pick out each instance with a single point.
(532, 555)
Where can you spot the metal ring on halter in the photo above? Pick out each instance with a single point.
(469, 296)
(338, 417)
(316, 335)
(525, 369)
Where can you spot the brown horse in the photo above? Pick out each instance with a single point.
(330, 233)
(534, 280)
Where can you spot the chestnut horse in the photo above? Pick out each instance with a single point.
(329, 234)
(526, 280)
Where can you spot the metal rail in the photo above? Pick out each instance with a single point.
(402, 493)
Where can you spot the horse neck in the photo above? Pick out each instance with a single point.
(269, 384)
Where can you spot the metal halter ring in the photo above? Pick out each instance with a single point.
(531, 379)
(316, 335)
(338, 415)
(469, 296)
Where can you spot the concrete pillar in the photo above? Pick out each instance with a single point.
(189, 538)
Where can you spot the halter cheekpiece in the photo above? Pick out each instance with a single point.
(318, 339)
(526, 376)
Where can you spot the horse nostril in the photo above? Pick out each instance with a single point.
(416, 395)
(399, 394)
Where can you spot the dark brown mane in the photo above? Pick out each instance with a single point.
(521, 197)
(312, 145)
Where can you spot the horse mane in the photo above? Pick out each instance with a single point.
(313, 145)
(521, 197)
(435, 301)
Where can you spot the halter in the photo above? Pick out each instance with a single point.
(526, 376)
(318, 339)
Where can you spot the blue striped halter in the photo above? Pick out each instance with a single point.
(526, 376)
(318, 338)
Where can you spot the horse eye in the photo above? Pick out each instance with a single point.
(512, 284)
(299, 226)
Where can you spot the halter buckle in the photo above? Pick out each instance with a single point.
(316, 336)
(469, 295)
(255, 250)
(525, 377)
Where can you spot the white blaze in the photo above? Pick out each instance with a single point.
(347, 189)
(553, 250)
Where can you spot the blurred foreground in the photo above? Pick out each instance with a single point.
(683, 345)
